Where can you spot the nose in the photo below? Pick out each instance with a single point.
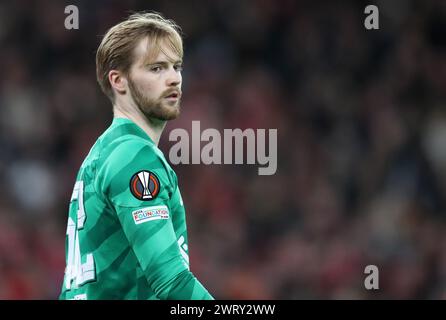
(173, 78)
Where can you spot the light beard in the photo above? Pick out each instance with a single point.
(154, 108)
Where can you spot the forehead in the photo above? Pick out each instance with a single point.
(147, 52)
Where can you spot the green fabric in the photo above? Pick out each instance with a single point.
(108, 254)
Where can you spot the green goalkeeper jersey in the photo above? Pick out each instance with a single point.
(126, 234)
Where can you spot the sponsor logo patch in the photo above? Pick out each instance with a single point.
(150, 213)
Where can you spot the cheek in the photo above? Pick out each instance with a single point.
(144, 78)
(146, 86)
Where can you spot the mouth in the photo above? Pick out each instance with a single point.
(173, 96)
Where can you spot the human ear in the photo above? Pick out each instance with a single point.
(117, 81)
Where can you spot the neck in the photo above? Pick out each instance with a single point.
(153, 127)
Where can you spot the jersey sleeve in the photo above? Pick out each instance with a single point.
(137, 184)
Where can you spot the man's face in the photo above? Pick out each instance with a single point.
(155, 86)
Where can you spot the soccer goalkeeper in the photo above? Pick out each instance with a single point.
(126, 235)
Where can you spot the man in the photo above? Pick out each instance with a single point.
(126, 234)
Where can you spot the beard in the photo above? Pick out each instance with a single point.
(160, 108)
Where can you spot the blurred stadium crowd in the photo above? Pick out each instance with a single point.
(361, 121)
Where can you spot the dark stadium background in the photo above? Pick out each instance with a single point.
(361, 125)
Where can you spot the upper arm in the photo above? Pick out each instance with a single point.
(138, 186)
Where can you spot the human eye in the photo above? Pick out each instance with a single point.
(178, 67)
(155, 68)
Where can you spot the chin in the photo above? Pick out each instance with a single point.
(167, 113)
(172, 110)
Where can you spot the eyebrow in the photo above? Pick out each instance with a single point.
(164, 63)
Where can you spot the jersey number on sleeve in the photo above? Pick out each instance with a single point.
(77, 273)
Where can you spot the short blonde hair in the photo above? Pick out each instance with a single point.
(116, 49)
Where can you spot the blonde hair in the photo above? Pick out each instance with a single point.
(116, 49)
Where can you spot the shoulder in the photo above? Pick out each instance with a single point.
(134, 170)
(128, 150)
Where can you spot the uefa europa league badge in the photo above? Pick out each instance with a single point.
(144, 185)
